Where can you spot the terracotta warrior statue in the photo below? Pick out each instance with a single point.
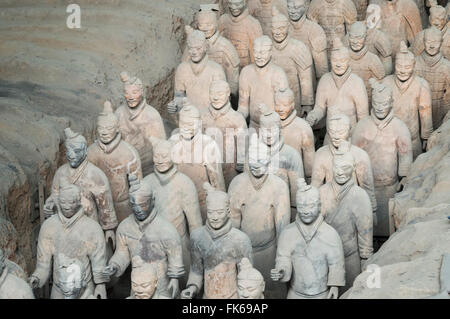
(96, 196)
(176, 197)
(346, 207)
(310, 33)
(388, 142)
(116, 158)
(151, 237)
(340, 91)
(241, 29)
(310, 254)
(296, 60)
(400, 21)
(295, 131)
(258, 82)
(438, 18)
(12, 286)
(334, 16)
(376, 40)
(412, 99)
(262, 11)
(250, 282)
(220, 49)
(285, 161)
(435, 69)
(71, 234)
(338, 128)
(193, 76)
(138, 121)
(216, 249)
(144, 280)
(197, 155)
(227, 127)
(364, 63)
(260, 207)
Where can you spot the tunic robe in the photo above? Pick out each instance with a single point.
(215, 255)
(388, 144)
(137, 126)
(261, 209)
(117, 160)
(412, 105)
(155, 240)
(312, 260)
(13, 287)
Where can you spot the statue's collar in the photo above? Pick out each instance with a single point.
(339, 80)
(213, 39)
(134, 112)
(108, 148)
(280, 46)
(198, 68)
(216, 233)
(360, 54)
(403, 86)
(144, 224)
(220, 112)
(289, 119)
(68, 222)
(299, 24)
(431, 60)
(381, 124)
(165, 178)
(241, 17)
(75, 173)
(308, 231)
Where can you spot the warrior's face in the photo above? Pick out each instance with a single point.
(308, 208)
(141, 206)
(218, 216)
(76, 153)
(258, 166)
(284, 107)
(133, 95)
(340, 61)
(342, 170)
(296, 9)
(432, 43)
(250, 288)
(439, 21)
(270, 133)
(207, 23)
(280, 31)
(162, 159)
(107, 131)
(263, 53)
(357, 40)
(219, 95)
(143, 284)
(189, 127)
(381, 108)
(69, 202)
(197, 50)
(236, 7)
(338, 131)
(404, 68)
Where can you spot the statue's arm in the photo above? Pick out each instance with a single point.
(121, 257)
(425, 111)
(196, 270)
(364, 226)
(97, 257)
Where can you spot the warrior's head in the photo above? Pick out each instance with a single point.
(381, 99)
(197, 46)
(69, 199)
(133, 90)
(296, 9)
(357, 36)
(438, 15)
(258, 157)
(144, 278)
(308, 202)
(338, 128)
(339, 57)
(280, 25)
(76, 147)
(162, 154)
(236, 7)
(343, 164)
(217, 207)
(250, 281)
(190, 121)
(270, 122)
(219, 94)
(207, 19)
(284, 103)
(141, 198)
(262, 50)
(107, 124)
(404, 63)
(432, 40)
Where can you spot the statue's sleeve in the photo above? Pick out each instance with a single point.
(135, 166)
(412, 18)
(241, 141)
(283, 259)
(320, 107)
(172, 247)
(254, 31)
(318, 41)
(308, 149)
(405, 153)
(364, 175)
(318, 176)
(44, 256)
(364, 225)
(361, 99)
(425, 112)
(294, 173)
(191, 206)
(244, 93)
(213, 164)
(282, 208)
(55, 184)
(303, 62)
(231, 68)
(235, 190)
(350, 13)
(197, 268)
(98, 256)
(121, 257)
(313, 11)
(185, 57)
(104, 201)
(158, 126)
(247, 248)
(377, 68)
(179, 87)
(336, 262)
(383, 45)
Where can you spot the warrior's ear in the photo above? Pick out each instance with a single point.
(188, 29)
